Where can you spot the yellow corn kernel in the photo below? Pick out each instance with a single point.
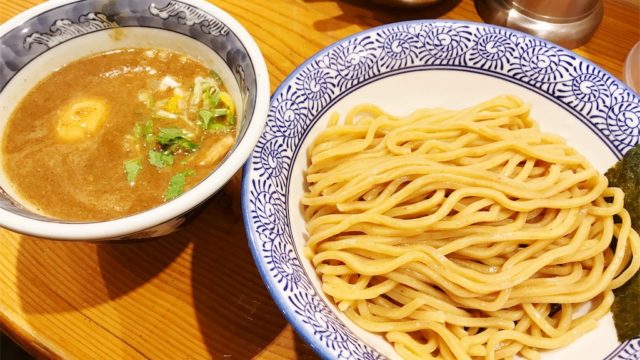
(81, 119)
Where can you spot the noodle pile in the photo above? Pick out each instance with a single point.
(464, 234)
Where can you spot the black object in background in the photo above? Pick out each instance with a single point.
(11, 351)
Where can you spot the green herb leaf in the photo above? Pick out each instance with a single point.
(167, 136)
(160, 159)
(173, 140)
(183, 145)
(132, 169)
(176, 184)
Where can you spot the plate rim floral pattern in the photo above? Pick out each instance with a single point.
(596, 98)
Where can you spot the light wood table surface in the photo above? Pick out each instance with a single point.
(197, 294)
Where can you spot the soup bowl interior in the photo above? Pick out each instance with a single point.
(49, 36)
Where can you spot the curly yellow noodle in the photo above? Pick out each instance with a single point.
(464, 234)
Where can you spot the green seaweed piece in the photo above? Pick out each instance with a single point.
(625, 174)
(626, 309)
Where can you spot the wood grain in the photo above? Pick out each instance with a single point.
(197, 294)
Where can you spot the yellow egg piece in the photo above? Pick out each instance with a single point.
(228, 101)
(173, 105)
(81, 119)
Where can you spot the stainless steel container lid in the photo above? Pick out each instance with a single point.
(569, 23)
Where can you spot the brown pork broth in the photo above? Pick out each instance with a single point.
(117, 133)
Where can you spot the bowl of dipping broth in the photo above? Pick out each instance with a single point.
(119, 118)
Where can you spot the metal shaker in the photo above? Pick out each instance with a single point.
(569, 23)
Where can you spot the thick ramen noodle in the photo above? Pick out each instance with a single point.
(464, 234)
(117, 133)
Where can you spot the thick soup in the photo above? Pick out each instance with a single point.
(117, 133)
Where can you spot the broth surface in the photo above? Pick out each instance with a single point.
(77, 170)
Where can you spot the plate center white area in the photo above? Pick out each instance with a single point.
(402, 94)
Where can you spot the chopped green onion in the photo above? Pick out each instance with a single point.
(201, 90)
(132, 169)
(215, 76)
(219, 128)
(196, 93)
(220, 112)
(186, 160)
(137, 129)
(143, 129)
(205, 116)
(176, 184)
(165, 114)
(214, 99)
(231, 119)
(160, 159)
(146, 98)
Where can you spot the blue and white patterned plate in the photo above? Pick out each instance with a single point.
(401, 67)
